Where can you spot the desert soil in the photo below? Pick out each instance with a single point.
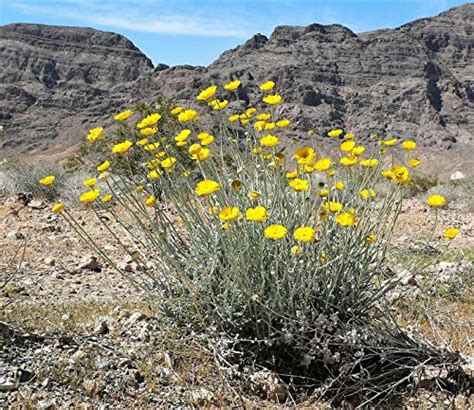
(75, 333)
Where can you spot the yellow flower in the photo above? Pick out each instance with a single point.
(148, 131)
(335, 133)
(207, 93)
(270, 126)
(122, 147)
(139, 188)
(304, 155)
(143, 141)
(183, 135)
(304, 234)
(123, 115)
(152, 147)
(263, 116)
(292, 174)
(186, 173)
(47, 180)
(90, 196)
(322, 164)
(367, 194)
(218, 105)
(346, 219)
(257, 214)
(383, 151)
(244, 121)
(436, 200)
(233, 85)
(409, 145)
(95, 134)
(168, 163)
(451, 233)
(106, 198)
(348, 161)
(347, 146)
(370, 239)
(283, 123)
(259, 125)
(229, 213)
(205, 138)
(234, 118)
(188, 115)
(89, 182)
(104, 166)
(207, 187)
(226, 226)
(299, 185)
(349, 136)
(149, 121)
(273, 99)
(176, 110)
(267, 86)
(332, 206)
(201, 155)
(399, 175)
(339, 185)
(275, 232)
(310, 132)
(269, 141)
(152, 164)
(194, 149)
(57, 208)
(390, 143)
(154, 174)
(150, 201)
(359, 150)
(296, 250)
(253, 195)
(256, 150)
(322, 257)
(414, 162)
(369, 163)
(323, 193)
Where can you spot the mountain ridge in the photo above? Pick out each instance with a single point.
(416, 80)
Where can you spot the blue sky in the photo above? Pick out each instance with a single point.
(197, 31)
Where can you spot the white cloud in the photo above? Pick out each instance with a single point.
(144, 16)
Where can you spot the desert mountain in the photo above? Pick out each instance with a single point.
(416, 80)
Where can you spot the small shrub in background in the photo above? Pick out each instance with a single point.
(283, 256)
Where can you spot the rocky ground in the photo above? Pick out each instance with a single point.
(74, 333)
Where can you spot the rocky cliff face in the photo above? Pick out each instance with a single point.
(416, 80)
(55, 81)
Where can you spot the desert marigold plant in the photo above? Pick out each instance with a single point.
(284, 249)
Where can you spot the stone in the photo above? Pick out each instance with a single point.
(269, 386)
(200, 396)
(456, 176)
(405, 277)
(103, 325)
(49, 261)
(90, 263)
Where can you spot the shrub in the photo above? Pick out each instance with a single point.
(284, 256)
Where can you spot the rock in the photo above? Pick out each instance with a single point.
(405, 277)
(37, 205)
(50, 261)
(427, 377)
(15, 235)
(457, 175)
(200, 396)
(269, 386)
(90, 263)
(103, 325)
